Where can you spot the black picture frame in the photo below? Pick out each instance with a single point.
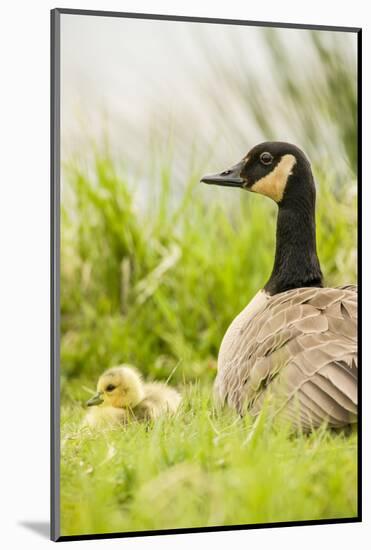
(55, 143)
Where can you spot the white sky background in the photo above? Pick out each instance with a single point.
(136, 82)
(118, 72)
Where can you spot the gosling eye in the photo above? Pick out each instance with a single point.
(110, 387)
(266, 158)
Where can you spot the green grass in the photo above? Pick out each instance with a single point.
(201, 468)
(160, 295)
(158, 288)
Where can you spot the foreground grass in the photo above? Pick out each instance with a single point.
(201, 468)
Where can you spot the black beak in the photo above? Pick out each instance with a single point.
(228, 178)
(97, 399)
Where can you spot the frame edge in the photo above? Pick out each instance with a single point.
(54, 273)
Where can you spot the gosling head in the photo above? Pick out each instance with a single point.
(119, 387)
(275, 169)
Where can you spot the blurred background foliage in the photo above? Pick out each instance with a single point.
(154, 266)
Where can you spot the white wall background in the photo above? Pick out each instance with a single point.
(24, 283)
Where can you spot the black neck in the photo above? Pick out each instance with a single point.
(296, 262)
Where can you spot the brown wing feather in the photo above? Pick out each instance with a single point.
(301, 346)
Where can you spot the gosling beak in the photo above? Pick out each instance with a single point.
(228, 178)
(95, 400)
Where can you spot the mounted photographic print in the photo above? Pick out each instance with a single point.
(205, 214)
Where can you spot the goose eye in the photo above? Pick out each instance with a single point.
(266, 158)
(110, 387)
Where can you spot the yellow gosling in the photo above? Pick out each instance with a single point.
(122, 396)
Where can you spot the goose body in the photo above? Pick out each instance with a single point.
(296, 341)
(122, 396)
(300, 346)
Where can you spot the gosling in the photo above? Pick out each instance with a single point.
(123, 397)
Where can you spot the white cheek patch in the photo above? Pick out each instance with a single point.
(273, 184)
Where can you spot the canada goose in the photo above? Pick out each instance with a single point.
(123, 396)
(295, 341)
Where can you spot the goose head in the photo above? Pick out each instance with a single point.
(275, 169)
(282, 172)
(119, 387)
